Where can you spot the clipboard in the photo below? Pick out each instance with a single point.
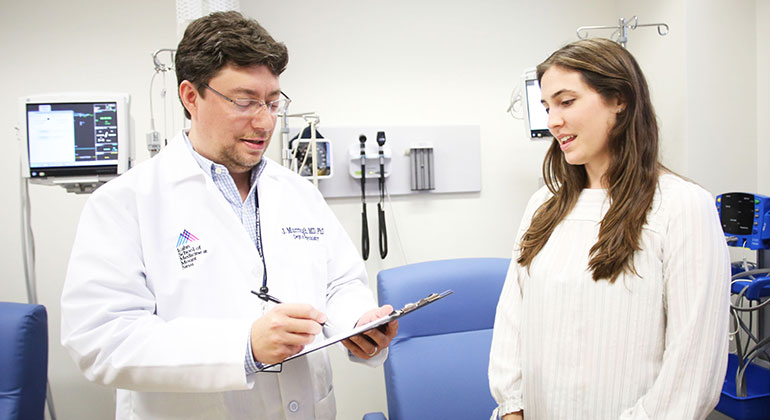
(396, 314)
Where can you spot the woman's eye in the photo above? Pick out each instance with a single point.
(567, 102)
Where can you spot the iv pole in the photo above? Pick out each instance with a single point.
(28, 259)
(622, 29)
(153, 137)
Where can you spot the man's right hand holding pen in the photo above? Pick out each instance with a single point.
(284, 331)
(288, 327)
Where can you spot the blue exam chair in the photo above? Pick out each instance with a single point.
(437, 366)
(23, 361)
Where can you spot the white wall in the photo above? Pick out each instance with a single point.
(721, 94)
(53, 46)
(392, 63)
(663, 61)
(762, 53)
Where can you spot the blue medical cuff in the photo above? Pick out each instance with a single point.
(251, 365)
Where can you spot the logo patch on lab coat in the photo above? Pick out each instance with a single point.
(303, 233)
(189, 248)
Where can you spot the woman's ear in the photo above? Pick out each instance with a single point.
(620, 105)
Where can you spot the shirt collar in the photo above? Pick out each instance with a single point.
(212, 168)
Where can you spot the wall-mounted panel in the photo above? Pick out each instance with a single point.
(456, 158)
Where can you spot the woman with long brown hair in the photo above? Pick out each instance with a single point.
(616, 301)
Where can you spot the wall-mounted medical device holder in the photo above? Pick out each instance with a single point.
(745, 219)
(456, 159)
(422, 172)
(372, 155)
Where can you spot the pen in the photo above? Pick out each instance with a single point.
(266, 297)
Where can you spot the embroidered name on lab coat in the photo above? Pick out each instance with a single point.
(303, 233)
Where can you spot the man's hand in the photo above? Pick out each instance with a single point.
(284, 331)
(367, 344)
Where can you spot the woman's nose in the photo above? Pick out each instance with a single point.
(554, 120)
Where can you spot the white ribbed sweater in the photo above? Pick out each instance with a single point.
(648, 346)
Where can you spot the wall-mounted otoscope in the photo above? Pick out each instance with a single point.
(381, 204)
(379, 159)
(364, 221)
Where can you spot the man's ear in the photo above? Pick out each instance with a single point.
(189, 96)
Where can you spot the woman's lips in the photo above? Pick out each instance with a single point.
(564, 141)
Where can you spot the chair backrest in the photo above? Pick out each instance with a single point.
(437, 366)
(23, 360)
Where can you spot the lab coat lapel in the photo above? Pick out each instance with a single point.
(182, 166)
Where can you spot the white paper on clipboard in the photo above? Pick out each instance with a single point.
(409, 307)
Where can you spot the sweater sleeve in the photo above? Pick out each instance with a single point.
(505, 354)
(696, 267)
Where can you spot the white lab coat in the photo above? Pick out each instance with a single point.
(166, 320)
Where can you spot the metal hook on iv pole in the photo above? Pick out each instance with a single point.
(622, 29)
(159, 66)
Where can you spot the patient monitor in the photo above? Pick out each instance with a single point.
(535, 117)
(76, 140)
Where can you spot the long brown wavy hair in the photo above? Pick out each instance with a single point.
(632, 175)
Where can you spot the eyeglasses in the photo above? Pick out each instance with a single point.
(254, 106)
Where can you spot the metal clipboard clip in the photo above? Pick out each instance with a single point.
(409, 307)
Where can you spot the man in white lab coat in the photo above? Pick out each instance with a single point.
(179, 266)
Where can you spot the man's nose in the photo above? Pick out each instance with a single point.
(263, 119)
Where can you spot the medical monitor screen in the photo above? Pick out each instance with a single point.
(737, 213)
(70, 139)
(537, 118)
